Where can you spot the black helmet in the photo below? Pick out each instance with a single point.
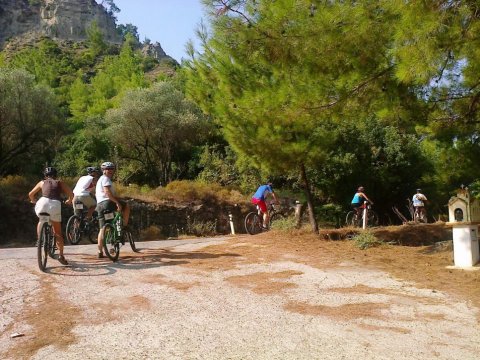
(107, 165)
(50, 172)
(92, 170)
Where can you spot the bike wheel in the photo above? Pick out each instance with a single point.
(51, 244)
(275, 217)
(93, 231)
(129, 236)
(253, 223)
(42, 247)
(372, 219)
(351, 219)
(73, 230)
(111, 245)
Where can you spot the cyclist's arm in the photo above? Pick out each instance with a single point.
(274, 197)
(34, 191)
(112, 198)
(67, 191)
(366, 198)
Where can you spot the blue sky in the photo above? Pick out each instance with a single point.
(170, 22)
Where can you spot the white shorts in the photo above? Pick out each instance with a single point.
(52, 207)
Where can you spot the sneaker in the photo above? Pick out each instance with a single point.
(264, 228)
(61, 260)
(100, 255)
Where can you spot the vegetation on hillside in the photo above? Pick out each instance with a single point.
(319, 96)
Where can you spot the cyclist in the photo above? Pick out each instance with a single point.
(50, 203)
(419, 203)
(83, 190)
(359, 199)
(107, 200)
(259, 199)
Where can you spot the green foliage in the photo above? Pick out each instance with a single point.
(29, 123)
(155, 130)
(219, 164)
(97, 46)
(200, 228)
(366, 239)
(285, 223)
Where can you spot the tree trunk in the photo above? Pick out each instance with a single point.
(306, 188)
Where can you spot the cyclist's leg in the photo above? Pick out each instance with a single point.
(125, 212)
(263, 209)
(57, 230)
(104, 205)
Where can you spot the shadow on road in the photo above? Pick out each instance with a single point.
(90, 265)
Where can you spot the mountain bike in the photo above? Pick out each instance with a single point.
(355, 218)
(115, 234)
(46, 243)
(420, 215)
(254, 219)
(78, 225)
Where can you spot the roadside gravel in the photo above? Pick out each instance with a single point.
(201, 299)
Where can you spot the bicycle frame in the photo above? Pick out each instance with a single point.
(116, 220)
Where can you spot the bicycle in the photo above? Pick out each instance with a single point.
(355, 218)
(254, 219)
(420, 216)
(46, 243)
(78, 225)
(114, 235)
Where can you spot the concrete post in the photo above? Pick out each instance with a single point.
(298, 214)
(232, 227)
(364, 225)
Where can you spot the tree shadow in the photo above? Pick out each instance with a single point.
(146, 259)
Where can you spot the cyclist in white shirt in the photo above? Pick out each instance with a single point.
(419, 201)
(108, 200)
(83, 191)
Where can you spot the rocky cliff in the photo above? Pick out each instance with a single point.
(57, 19)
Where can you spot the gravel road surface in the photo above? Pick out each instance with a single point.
(200, 299)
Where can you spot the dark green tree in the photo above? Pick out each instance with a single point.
(29, 123)
(155, 131)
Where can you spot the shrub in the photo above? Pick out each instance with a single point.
(201, 228)
(366, 239)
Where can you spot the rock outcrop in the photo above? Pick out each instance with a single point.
(154, 50)
(57, 19)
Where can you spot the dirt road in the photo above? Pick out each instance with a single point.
(223, 298)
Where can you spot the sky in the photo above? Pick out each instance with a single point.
(170, 22)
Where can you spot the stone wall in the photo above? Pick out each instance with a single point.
(18, 219)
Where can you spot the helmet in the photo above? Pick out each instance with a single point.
(108, 165)
(419, 190)
(50, 172)
(92, 170)
(360, 188)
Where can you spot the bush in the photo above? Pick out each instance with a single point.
(201, 228)
(366, 239)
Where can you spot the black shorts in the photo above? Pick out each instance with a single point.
(107, 205)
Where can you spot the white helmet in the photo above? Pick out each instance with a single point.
(107, 165)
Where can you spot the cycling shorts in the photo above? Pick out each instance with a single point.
(261, 204)
(49, 206)
(107, 205)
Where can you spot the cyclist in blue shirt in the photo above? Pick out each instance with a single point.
(259, 199)
(359, 199)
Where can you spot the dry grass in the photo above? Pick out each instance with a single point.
(423, 265)
(184, 191)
